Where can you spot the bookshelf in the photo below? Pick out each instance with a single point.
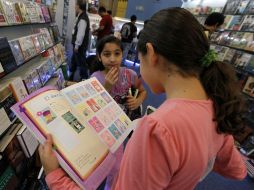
(41, 68)
(234, 44)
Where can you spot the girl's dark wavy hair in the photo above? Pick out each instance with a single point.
(177, 36)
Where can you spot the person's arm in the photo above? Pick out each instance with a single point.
(135, 33)
(81, 33)
(102, 25)
(145, 163)
(58, 179)
(229, 161)
(135, 102)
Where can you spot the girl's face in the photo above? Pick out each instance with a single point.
(150, 71)
(111, 56)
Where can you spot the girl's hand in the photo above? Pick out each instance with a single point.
(48, 158)
(133, 103)
(111, 78)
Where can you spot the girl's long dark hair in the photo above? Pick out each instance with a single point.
(177, 36)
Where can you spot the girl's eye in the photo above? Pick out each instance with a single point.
(107, 54)
(118, 53)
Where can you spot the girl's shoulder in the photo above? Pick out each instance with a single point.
(99, 76)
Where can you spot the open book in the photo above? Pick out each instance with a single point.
(87, 125)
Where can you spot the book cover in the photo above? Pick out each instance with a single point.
(238, 40)
(250, 66)
(214, 37)
(56, 33)
(45, 13)
(17, 52)
(231, 6)
(248, 23)
(88, 117)
(227, 20)
(41, 41)
(51, 34)
(40, 14)
(7, 100)
(58, 57)
(250, 8)
(7, 60)
(242, 6)
(10, 17)
(249, 86)
(249, 39)
(5, 121)
(235, 22)
(27, 47)
(27, 141)
(36, 79)
(31, 9)
(28, 81)
(3, 20)
(37, 44)
(229, 56)
(243, 60)
(224, 38)
(221, 51)
(16, 86)
(46, 37)
(22, 11)
(61, 51)
(52, 13)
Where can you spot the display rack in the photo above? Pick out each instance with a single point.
(42, 69)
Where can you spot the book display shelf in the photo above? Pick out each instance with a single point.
(31, 57)
(234, 44)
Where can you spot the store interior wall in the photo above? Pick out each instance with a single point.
(59, 15)
(144, 9)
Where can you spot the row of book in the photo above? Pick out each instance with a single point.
(243, 62)
(19, 166)
(200, 10)
(239, 7)
(17, 88)
(240, 40)
(235, 22)
(20, 12)
(239, 22)
(18, 51)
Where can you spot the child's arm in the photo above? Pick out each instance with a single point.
(135, 102)
(229, 161)
(56, 178)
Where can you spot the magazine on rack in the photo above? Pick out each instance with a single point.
(85, 122)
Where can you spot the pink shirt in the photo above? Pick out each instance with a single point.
(175, 147)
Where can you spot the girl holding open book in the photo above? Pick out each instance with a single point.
(190, 134)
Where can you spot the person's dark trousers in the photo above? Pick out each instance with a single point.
(79, 60)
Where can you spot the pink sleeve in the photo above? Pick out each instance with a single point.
(146, 163)
(58, 180)
(229, 161)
